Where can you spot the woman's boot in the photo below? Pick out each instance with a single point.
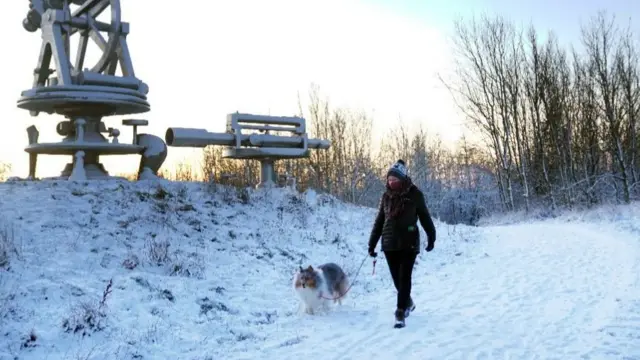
(410, 307)
(399, 319)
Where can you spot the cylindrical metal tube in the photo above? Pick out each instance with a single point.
(319, 144)
(274, 140)
(83, 23)
(186, 137)
(91, 78)
(266, 119)
(267, 140)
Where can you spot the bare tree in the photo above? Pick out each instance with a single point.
(489, 89)
(534, 84)
(587, 144)
(555, 94)
(627, 69)
(603, 54)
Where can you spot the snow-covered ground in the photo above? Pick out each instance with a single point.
(191, 272)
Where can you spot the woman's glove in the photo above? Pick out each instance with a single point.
(430, 245)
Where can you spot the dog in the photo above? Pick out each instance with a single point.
(318, 287)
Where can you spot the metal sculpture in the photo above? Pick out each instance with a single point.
(263, 146)
(84, 96)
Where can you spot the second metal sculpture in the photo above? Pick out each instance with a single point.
(243, 143)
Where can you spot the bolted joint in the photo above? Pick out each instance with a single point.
(32, 21)
(114, 133)
(124, 28)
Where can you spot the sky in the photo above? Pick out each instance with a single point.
(210, 58)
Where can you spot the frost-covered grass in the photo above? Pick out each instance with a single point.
(625, 217)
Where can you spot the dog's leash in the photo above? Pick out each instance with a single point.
(354, 279)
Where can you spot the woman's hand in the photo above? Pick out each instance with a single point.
(430, 246)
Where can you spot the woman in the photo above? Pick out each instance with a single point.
(401, 206)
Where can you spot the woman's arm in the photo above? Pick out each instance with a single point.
(376, 232)
(425, 217)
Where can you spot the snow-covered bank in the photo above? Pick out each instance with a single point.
(198, 273)
(624, 217)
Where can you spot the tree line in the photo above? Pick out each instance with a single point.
(561, 123)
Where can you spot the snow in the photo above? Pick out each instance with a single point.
(147, 174)
(204, 272)
(153, 145)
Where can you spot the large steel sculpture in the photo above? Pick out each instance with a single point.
(84, 94)
(262, 146)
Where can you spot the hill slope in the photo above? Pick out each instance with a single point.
(200, 273)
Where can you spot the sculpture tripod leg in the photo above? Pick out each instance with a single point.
(78, 173)
(33, 161)
(32, 134)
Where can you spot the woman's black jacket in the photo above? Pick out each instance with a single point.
(401, 232)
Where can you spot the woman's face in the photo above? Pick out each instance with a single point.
(394, 182)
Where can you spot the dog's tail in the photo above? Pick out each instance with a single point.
(343, 286)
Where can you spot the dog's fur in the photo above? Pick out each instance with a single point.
(318, 287)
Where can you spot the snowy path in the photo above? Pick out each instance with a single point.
(542, 291)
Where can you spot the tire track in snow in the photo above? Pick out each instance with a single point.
(545, 291)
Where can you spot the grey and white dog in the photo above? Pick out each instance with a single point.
(318, 287)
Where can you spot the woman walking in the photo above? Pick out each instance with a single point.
(401, 206)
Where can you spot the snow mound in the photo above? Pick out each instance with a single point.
(164, 270)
